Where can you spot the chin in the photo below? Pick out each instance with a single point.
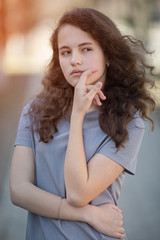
(75, 82)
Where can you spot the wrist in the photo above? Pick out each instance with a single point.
(77, 114)
(59, 208)
(82, 214)
(88, 213)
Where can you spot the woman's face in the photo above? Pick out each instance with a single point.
(78, 52)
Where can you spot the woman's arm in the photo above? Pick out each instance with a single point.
(105, 218)
(25, 194)
(84, 182)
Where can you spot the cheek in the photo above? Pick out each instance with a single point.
(103, 64)
(93, 78)
(98, 76)
(101, 67)
(63, 67)
(98, 62)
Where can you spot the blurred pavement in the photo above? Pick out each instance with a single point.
(140, 195)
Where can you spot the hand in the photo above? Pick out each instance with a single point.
(107, 219)
(84, 94)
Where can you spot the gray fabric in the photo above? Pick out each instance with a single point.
(49, 175)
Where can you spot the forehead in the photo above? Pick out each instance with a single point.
(72, 35)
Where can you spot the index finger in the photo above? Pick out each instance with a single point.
(84, 76)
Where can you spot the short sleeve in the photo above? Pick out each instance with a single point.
(126, 156)
(24, 134)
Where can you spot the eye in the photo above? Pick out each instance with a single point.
(86, 49)
(66, 52)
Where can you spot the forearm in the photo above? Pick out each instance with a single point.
(76, 173)
(46, 204)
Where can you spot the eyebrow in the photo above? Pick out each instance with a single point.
(80, 45)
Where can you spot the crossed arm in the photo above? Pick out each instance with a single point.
(25, 194)
(106, 218)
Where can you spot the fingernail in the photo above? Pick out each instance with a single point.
(98, 84)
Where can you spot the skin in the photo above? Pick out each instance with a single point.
(106, 218)
(79, 55)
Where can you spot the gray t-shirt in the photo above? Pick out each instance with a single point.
(49, 173)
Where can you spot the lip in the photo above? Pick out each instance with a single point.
(76, 72)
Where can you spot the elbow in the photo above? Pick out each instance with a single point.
(76, 201)
(15, 195)
(13, 198)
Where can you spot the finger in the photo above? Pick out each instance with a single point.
(119, 235)
(99, 85)
(94, 101)
(120, 216)
(100, 93)
(97, 100)
(89, 87)
(84, 76)
(121, 230)
(91, 94)
(121, 223)
(116, 208)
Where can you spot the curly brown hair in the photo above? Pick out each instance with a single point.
(125, 85)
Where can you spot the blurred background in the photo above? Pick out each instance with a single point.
(25, 29)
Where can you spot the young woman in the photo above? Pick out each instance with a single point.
(82, 133)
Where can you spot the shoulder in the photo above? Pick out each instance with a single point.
(30, 105)
(136, 122)
(28, 112)
(135, 130)
(26, 108)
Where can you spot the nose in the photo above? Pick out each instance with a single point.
(76, 59)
